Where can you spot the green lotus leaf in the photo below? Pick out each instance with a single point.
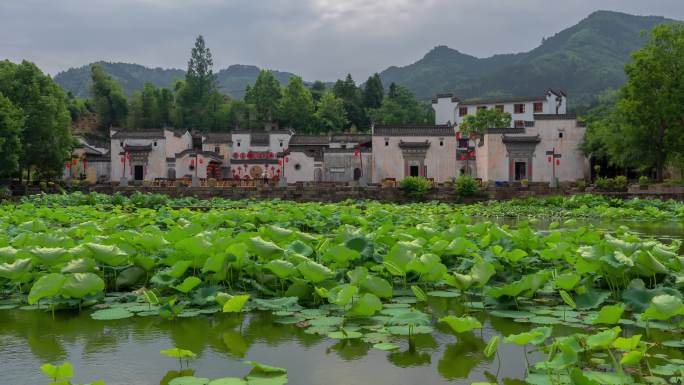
(341, 255)
(107, 254)
(49, 256)
(461, 324)
(492, 346)
(366, 306)
(535, 336)
(111, 314)
(79, 285)
(15, 270)
(609, 314)
(228, 381)
(281, 268)
(603, 339)
(378, 286)
(264, 249)
(80, 265)
(567, 281)
(189, 381)
(591, 299)
(419, 293)
(178, 353)
(386, 346)
(59, 372)
(631, 358)
(178, 269)
(46, 286)
(314, 272)
(235, 303)
(663, 307)
(443, 294)
(342, 294)
(188, 284)
(301, 248)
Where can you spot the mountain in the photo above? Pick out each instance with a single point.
(583, 60)
(132, 77)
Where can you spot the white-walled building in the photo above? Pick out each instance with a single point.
(255, 154)
(414, 150)
(450, 109)
(329, 158)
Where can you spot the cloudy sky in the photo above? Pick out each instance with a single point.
(318, 39)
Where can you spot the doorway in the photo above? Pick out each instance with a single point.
(414, 171)
(520, 170)
(138, 172)
(357, 173)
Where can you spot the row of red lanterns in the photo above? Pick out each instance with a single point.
(551, 160)
(74, 162)
(253, 155)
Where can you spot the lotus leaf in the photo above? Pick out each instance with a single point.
(46, 286)
(461, 324)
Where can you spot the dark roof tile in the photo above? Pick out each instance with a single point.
(414, 130)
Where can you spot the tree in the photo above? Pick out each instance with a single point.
(331, 113)
(401, 107)
(11, 126)
(136, 118)
(265, 95)
(196, 103)
(46, 136)
(373, 92)
(317, 90)
(353, 102)
(484, 119)
(296, 107)
(651, 101)
(108, 100)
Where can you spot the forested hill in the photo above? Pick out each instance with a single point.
(583, 60)
(132, 77)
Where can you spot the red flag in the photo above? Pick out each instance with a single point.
(549, 159)
(557, 162)
(357, 152)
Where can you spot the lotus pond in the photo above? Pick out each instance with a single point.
(152, 290)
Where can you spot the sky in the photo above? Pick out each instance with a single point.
(317, 39)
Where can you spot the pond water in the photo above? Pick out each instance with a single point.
(126, 352)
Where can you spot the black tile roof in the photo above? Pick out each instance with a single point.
(217, 137)
(414, 130)
(309, 140)
(521, 139)
(518, 99)
(139, 134)
(424, 144)
(555, 116)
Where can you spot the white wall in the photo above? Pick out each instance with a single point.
(388, 161)
(306, 169)
(445, 110)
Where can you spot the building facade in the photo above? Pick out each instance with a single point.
(415, 150)
(329, 158)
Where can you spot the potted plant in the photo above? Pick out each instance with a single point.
(643, 182)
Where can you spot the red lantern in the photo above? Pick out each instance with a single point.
(287, 160)
(235, 155)
(192, 162)
(549, 159)
(472, 154)
(458, 135)
(557, 162)
(242, 155)
(201, 160)
(270, 155)
(250, 155)
(462, 157)
(278, 171)
(68, 164)
(128, 156)
(75, 162)
(280, 162)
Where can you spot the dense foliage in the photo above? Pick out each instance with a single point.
(466, 186)
(641, 126)
(415, 186)
(358, 271)
(34, 110)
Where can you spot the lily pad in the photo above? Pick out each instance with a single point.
(111, 314)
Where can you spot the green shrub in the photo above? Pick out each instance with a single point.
(604, 183)
(581, 184)
(620, 182)
(465, 186)
(643, 180)
(415, 186)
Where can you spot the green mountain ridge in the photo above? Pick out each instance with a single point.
(583, 60)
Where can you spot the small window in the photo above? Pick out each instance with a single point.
(386, 141)
(238, 143)
(560, 135)
(519, 124)
(499, 107)
(217, 149)
(297, 166)
(462, 111)
(281, 143)
(155, 143)
(441, 143)
(519, 108)
(538, 108)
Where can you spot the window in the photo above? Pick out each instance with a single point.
(499, 107)
(281, 143)
(463, 143)
(538, 108)
(238, 143)
(462, 111)
(298, 167)
(217, 149)
(519, 108)
(560, 135)
(441, 142)
(481, 108)
(155, 143)
(520, 170)
(519, 124)
(386, 141)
